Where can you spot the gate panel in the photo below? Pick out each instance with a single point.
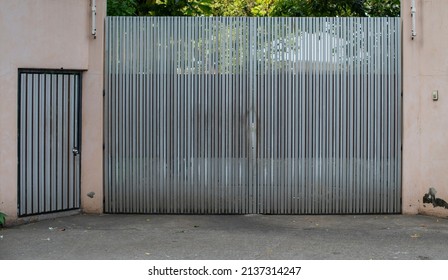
(49, 140)
(177, 112)
(329, 116)
(253, 115)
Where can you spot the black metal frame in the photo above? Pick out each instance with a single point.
(79, 125)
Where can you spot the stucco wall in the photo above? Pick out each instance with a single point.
(51, 34)
(425, 124)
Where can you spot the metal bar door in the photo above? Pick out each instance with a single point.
(49, 141)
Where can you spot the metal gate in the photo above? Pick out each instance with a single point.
(253, 115)
(49, 141)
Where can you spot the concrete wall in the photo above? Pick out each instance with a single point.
(51, 34)
(425, 124)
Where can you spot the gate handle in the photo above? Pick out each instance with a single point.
(75, 151)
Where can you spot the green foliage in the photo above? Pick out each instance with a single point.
(2, 218)
(121, 7)
(180, 8)
(382, 8)
(330, 8)
(294, 8)
(318, 8)
(263, 8)
(337, 8)
(243, 8)
(233, 8)
(290, 8)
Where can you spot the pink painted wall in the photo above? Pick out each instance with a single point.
(425, 124)
(51, 34)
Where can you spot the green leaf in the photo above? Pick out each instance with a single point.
(2, 218)
(205, 8)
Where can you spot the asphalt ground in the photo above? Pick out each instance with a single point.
(228, 237)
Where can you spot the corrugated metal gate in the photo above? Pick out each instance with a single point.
(49, 141)
(253, 115)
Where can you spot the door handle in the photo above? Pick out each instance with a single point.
(75, 151)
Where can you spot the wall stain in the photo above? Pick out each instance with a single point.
(430, 197)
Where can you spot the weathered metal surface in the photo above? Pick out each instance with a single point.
(49, 170)
(253, 115)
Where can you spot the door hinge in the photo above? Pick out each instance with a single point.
(104, 92)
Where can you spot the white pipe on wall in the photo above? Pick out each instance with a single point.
(413, 11)
(93, 4)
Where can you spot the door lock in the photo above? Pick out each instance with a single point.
(75, 151)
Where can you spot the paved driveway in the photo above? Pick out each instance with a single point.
(132, 237)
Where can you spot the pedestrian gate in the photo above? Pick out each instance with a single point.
(49, 141)
(252, 115)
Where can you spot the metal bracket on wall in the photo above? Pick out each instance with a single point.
(93, 4)
(413, 11)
